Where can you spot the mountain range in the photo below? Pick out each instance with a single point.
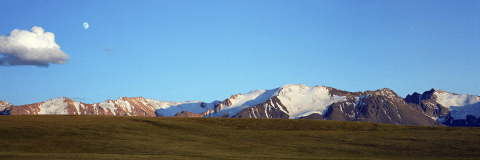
(292, 101)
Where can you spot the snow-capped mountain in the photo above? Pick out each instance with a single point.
(123, 106)
(448, 108)
(291, 101)
(320, 102)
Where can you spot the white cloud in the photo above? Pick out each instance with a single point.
(33, 48)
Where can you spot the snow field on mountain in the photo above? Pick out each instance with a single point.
(460, 105)
(53, 106)
(447, 99)
(301, 100)
(463, 111)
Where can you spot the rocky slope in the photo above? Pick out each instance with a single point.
(292, 101)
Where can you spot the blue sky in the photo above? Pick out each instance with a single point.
(208, 50)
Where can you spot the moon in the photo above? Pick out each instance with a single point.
(85, 25)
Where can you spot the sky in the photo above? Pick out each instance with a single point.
(206, 50)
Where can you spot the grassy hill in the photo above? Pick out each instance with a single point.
(107, 137)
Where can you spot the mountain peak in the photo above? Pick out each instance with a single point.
(383, 92)
(4, 102)
(414, 98)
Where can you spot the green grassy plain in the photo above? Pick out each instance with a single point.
(108, 137)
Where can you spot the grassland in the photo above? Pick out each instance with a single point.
(106, 137)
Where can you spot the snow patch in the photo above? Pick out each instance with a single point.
(124, 104)
(77, 106)
(398, 113)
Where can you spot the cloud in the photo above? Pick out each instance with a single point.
(9, 60)
(22, 47)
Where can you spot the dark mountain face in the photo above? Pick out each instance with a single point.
(381, 106)
(417, 98)
(267, 109)
(427, 94)
(342, 111)
(414, 98)
(377, 109)
(433, 109)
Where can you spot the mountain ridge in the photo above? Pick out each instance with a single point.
(291, 101)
